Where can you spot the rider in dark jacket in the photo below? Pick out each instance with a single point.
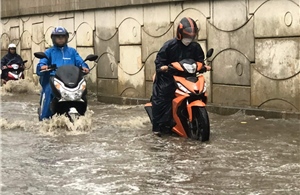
(174, 50)
(10, 58)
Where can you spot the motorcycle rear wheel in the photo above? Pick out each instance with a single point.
(200, 127)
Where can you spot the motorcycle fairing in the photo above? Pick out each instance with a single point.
(73, 94)
(14, 72)
(14, 76)
(196, 87)
(178, 128)
(178, 66)
(60, 107)
(196, 103)
(70, 75)
(199, 66)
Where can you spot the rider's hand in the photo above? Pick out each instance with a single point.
(85, 70)
(164, 68)
(4, 67)
(208, 68)
(45, 67)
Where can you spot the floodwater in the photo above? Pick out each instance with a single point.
(111, 150)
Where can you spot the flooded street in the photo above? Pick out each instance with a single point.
(112, 151)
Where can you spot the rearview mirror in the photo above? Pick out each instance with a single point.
(209, 53)
(40, 55)
(91, 57)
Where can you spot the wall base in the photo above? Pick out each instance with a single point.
(218, 109)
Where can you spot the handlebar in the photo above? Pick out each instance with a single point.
(11, 66)
(50, 68)
(170, 67)
(23, 62)
(47, 70)
(41, 55)
(10, 61)
(54, 67)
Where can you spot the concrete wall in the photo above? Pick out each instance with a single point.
(256, 42)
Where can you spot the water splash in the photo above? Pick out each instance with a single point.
(22, 86)
(24, 125)
(132, 122)
(60, 125)
(8, 125)
(3, 92)
(125, 107)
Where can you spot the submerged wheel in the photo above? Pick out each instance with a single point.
(72, 117)
(199, 128)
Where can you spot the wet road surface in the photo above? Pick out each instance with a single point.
(112, 151)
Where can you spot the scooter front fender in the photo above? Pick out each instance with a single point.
(197, 103)
(179, 129)
(148, 108)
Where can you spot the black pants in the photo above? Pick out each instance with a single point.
(162, 113)
(163, 93)
(4, 74)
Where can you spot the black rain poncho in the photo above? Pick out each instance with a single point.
(164, 85)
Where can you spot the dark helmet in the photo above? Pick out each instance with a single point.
(58, 31)
(187, 28)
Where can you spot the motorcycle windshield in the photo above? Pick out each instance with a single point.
(70, 75)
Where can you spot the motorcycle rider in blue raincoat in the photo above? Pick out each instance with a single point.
(60, 54)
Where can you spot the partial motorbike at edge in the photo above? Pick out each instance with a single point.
(189, 104)
(68, 88)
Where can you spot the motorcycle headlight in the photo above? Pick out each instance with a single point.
(82, 86)
(70, 94)
(191, 68)
(15, 66)
(57, 85)
(182, 88)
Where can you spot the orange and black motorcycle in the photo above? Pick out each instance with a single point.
(188, 106)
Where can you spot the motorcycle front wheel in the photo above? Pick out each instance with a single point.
(72, 117)
(199, 128)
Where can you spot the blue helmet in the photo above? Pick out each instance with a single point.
(59, 31)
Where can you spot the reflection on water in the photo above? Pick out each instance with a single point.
(111, 151)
